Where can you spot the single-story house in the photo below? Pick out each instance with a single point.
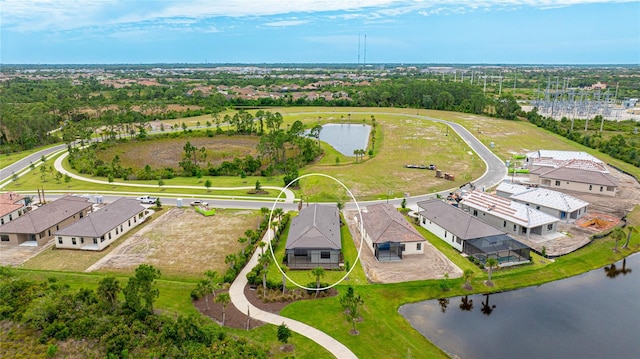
(507, 215)
(12, 206)
(102, 227)
(36, 228)
(575, 179)
(556, 159)
(314, 238)
(388, 234)
(470, 235)
(557, 204)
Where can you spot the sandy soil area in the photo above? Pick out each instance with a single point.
(182, 242)
(430, 265)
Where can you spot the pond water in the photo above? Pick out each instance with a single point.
(346, 138)
(593, 315)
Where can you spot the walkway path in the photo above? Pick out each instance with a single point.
(289, 196)
(238, 299)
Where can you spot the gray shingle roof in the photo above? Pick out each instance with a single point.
(316, 226)
(460, 223)
(46, 216)
(98, 223)
(384, 223)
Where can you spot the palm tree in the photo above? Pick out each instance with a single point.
(630, 230)
(617, 235)
(202, 289)
(491, 262)
(224, 299)
(264, 262)
(318, 272)
(213, 278)
(467, 275)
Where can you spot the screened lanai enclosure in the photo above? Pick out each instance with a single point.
(503, 248)
(388, 251)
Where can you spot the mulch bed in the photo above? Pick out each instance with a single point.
(237, 319)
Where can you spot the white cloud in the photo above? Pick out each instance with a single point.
(61, 15)
(285, 23)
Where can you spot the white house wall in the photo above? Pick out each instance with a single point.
(12, 215)
(579, 187)
(441, 233)
(87, 243)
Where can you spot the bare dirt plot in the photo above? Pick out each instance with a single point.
(182, 243)
(430, 265)
(17, 255)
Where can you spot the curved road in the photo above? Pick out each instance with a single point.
(496, 171)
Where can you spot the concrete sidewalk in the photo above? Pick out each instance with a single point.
(236, 291)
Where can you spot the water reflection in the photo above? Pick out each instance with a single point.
(572, 318)
(486, 307)
(466, 304)
(612, 271)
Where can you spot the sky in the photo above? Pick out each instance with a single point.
(320, 31)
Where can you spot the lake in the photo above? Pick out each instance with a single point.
(593, 315)
(346, 138)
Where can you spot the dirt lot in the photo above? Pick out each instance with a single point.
(430, 265)
(182, 243)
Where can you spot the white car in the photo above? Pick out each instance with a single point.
(199, 203)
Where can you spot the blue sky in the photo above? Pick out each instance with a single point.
(320, 31)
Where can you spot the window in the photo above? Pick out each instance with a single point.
(101, 239)
(419, 246)
(81, 240)
(590, 187)
(59, 240)
(600, 188)
(4, 237)
(73, 241)
(95, 241)
(504, 224)
(402, 247)
(549, 226)
(1, 220)
(325, 254)
(538, 208)
(445, 234)
(49, 232)
(116, 232)
(10, 217)
(459, 241)
(514, 227)
(120, 228)
(134, 219)
(110, 234)
(475, 212)
(557, 183)
(81, 214)
(424, 220)
(129, 223)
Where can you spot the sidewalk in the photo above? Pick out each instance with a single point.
(236, 291)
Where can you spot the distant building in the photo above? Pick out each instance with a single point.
(102, 227)
(36, 228)
(509, 216)
(388, 234)
(12, 206)
(557, 204)
(314, 238)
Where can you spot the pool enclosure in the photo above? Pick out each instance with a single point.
(505, 249)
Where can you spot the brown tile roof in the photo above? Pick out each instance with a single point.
(577, 175)
(460, 223)
(46, 216)
(9, 202)
(316, 226)
(384, 223)
(97, 223)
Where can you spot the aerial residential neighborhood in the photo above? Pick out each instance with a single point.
(319, 179)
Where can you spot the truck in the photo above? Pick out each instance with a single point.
(147, 199)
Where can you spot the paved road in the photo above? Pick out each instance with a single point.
(16, 167)
(236, 292)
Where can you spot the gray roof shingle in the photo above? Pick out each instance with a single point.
(98, 223)
(316, 226)
(460, 223)
(46, 216)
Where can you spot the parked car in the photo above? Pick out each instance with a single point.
(147, 199)
(199, 203)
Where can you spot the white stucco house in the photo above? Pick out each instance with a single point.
(507, 215)
(388, 234)
(557, 204)
(100, 228)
